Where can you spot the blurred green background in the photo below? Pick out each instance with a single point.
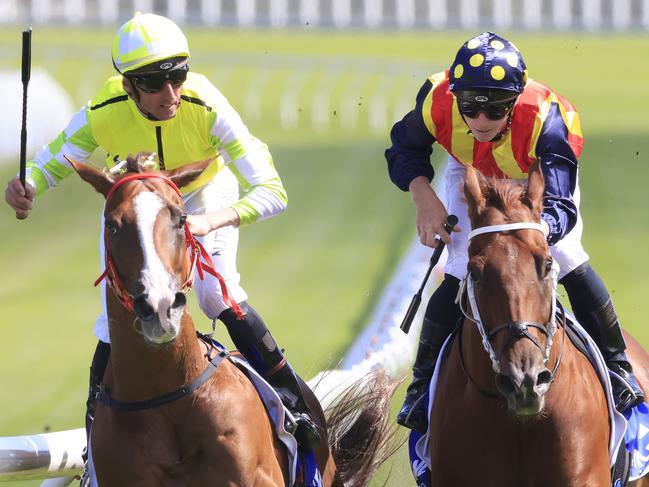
(316, 271)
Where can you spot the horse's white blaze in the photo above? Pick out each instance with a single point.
(158, 283)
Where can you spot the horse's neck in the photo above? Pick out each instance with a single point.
(140, 370)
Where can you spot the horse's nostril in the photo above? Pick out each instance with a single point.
(544, 377)
(142, 308)
(179, 301)
(505, 385)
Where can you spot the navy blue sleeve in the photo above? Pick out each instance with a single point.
(412, 145)
(559, 167)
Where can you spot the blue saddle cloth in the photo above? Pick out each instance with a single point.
(308, 474)
(636, 439)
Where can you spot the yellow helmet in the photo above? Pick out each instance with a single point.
(145, 39)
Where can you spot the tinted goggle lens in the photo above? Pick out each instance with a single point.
(153, 83)
(494, 111)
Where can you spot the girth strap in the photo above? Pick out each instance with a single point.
(103, 394)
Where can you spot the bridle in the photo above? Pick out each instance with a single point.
(515, 329)
(199, 257)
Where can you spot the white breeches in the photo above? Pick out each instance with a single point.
(220, 192)
(568, 252)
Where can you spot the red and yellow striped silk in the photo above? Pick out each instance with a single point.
(512, 155)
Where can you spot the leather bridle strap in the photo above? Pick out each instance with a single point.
(506, 227)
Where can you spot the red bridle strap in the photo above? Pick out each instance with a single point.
(199, 257)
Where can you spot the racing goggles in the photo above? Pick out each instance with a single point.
(152, 83)
(495, 110)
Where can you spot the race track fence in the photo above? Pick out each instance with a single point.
(590, 15)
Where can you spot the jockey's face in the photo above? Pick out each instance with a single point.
(485, 111)
(483, 128)
(162, 104)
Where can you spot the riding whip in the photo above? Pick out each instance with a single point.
(451, 221)
(26, 71)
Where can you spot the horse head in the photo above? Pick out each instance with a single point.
(511, 283)
(147, 263)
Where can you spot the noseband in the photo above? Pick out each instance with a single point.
(199, 257)
(515, 329)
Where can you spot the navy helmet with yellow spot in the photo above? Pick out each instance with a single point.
(490, 62)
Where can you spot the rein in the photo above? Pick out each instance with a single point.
(516, 329)
(199, 257)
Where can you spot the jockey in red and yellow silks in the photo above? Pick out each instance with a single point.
(542, 125)
(486, 112)
(513, 153)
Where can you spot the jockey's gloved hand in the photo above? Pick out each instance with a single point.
(19, 198)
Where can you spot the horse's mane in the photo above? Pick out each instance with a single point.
(504, 195)
(142, 162)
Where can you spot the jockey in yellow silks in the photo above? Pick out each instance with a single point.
(485, 112)
(156, 104)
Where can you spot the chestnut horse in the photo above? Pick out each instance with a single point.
(203, 423)
(516, 404)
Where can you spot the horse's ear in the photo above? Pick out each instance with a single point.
(184, 175)
(99, 180)
(473, 190)
(535, 185)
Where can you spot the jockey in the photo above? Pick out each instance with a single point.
(156, 104)
(486, 113)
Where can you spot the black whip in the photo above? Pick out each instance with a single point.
(26, 72)
(451, 221)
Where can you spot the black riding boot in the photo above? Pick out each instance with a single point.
(441, 317)
(97, 369)
(414, 413)
(594, 309)
(252, 338)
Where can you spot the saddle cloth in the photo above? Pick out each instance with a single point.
(302, 467)
(633, 429)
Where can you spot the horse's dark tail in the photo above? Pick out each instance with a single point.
(361, 437)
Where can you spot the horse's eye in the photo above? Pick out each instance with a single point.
(111, 226)
(183, 219)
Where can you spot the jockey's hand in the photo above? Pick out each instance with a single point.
(201, 225)
(198, 225)
(19, 198)
(431, 213)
